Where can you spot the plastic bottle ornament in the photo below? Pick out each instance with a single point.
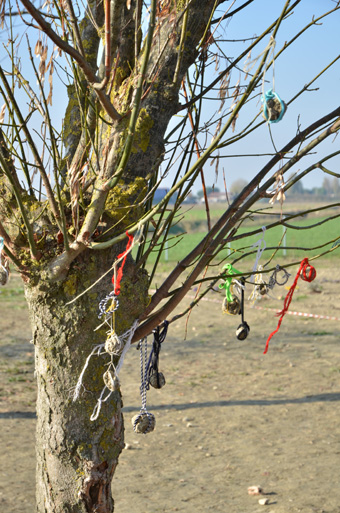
(273, 107)
(143, 422)
(157, 380)
(231, 307)
(242, 331)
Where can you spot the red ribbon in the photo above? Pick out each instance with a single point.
(306, 276)
(120, 270)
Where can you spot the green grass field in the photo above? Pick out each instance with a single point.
(191, 231)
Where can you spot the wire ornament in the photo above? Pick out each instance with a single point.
(273, 279)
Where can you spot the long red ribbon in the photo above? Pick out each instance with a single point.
(310, 276)
(120, 270)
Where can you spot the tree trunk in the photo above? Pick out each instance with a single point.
(76, 458)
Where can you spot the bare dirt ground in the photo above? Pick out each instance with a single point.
(229, 417)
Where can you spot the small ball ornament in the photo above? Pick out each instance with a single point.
(231, 307)
(242, 331)
(143, 423)
(113, 344)
(110, 380)
(157, 380)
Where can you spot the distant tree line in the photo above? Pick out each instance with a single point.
(330, 187)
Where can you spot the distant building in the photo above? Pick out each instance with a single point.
(159, 194)
(215, 197)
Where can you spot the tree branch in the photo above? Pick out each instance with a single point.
(72, 52)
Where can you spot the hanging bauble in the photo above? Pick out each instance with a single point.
(110, 380)
(273, 107)
(113, 344)
(231, 307)
(143, 422)
(157, 380)
(242, 331)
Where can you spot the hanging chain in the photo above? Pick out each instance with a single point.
(143, 370)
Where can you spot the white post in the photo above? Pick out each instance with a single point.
(284, 240)
(166, 251)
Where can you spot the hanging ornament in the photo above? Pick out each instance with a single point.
(144, 422)
(113, 343)
(116, 346)
(243, 330)
(273, 280)
(155, 378)
(260, 287)
(273, 107)
(231, 303)
(307, 273)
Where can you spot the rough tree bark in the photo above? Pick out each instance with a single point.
(76, 458)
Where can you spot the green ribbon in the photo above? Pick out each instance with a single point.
(227, 284)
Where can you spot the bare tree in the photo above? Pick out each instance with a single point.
(77, 195)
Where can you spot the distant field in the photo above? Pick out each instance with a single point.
(191, 231)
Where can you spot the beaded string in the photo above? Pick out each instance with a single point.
(302, 272)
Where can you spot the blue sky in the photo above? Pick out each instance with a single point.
(297, 66)
(303, 60)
